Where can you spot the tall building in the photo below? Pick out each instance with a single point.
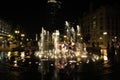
(53, 14)
(101, 25)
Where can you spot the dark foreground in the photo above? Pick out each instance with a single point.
(84, 71)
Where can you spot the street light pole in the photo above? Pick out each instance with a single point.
(17, 32)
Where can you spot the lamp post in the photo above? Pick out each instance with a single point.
(17, 32)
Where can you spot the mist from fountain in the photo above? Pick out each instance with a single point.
(70, 49)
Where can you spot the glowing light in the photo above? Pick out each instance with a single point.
(100, 38)
(54, 1)
(67, 24)
(9, 55)
(22, 55)
(1, 37)
(17, 31)
(22, 35)
(105, 58)
(15, 63)
(104, 33)
(70, 50)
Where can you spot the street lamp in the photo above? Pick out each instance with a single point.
(22, 35)
(17, 31)
(105, 33)
(17, 36)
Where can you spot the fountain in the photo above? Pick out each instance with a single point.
(70, 50)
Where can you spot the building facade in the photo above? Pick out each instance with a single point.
(101, 25)
(5, 30)
(53, 15)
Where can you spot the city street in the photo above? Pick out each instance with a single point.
(84, 71)
(54, 40)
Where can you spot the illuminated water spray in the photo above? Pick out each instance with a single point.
(61, 52)
(56, 35)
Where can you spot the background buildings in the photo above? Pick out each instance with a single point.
(53, 15)
(5, 30)
(101, 25)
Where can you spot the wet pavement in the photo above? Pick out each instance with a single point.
(84, 71)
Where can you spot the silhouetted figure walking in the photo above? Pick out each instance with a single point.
(112, 54)
(118, 54)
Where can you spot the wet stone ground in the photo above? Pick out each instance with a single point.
(89, 71)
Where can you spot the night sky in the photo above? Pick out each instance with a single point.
(30, 15)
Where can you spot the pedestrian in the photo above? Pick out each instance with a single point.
(112, 54)
(118, 54)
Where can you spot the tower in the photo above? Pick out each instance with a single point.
(53, 12)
